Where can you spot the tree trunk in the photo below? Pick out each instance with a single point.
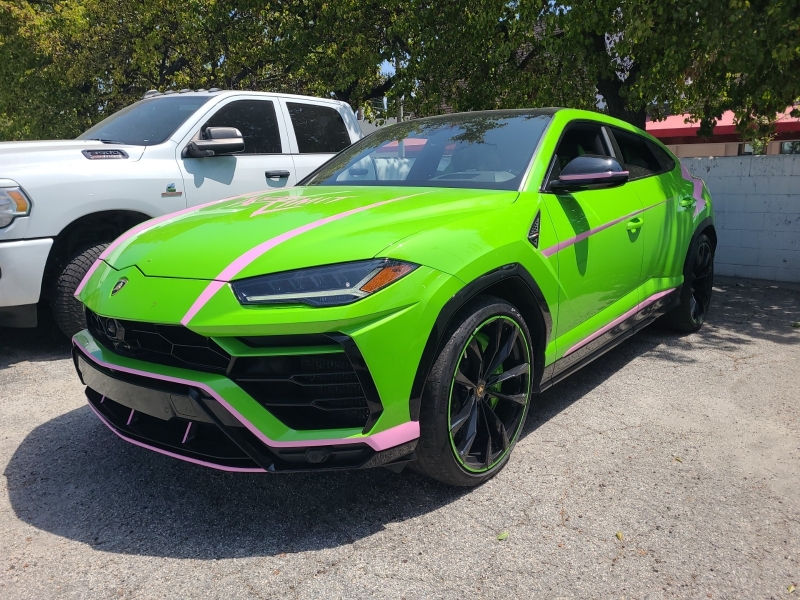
(617, 105)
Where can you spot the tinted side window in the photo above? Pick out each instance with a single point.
(667, 162)
(256, 120)
(578, 140)
(640, 160)
(318, 128)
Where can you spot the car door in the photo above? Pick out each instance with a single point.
(316, 131)
(266, 162)
(667, 218)
(599, 245)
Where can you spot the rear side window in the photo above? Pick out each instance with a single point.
(667, 162)
(637, 152)
(319, 129)
(256, 120)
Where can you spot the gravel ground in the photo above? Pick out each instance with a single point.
(667, 469)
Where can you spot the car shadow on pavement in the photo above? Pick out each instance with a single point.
(72, 477)
(41, 344)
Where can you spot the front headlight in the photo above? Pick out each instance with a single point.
(332, 285)
(13, 203)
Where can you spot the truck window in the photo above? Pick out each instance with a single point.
(318, 128)
(256, 120)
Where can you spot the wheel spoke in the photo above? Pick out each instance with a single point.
(458, 421)
(475, 356)
(503, 353)
(464, 380)
(496, 428)
(495, 338)
(472, 431)
(517, 398)
(510, 374)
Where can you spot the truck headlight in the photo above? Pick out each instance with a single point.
(331, 285)
(13, 203)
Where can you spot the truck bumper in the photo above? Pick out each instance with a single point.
(21, 269)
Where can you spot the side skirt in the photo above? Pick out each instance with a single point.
(567, 365)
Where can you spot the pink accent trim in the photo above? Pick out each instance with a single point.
(248, 257)
(547, 252)
(133, 231)
(130, 417)
(586, 176)
(172, 454)
(697, 190)
(618, 320)
(186, 435)
(103, 399)
(400, 434)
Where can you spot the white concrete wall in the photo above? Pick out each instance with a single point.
(757, 203)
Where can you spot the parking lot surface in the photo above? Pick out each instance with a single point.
(669, 468)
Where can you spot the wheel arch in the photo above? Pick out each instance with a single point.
(706, 226)
(84, 232)
(511, 283)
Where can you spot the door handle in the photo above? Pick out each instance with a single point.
(276, 174)
(687, 202)
(635, 224)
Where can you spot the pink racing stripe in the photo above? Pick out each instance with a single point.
(589, 176)
(400, 434)
(697, 190)
(618, 320)
(132, 232)
(248, 257)
(548, 252)
(172, 454)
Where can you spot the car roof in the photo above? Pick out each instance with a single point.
(217, 93)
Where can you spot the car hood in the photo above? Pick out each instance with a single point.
(19, 156)
(291, 229)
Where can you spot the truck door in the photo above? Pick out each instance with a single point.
(265, 164)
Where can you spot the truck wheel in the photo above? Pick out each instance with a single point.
(67, 309)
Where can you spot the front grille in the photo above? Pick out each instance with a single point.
(313, 391)
(171, 345)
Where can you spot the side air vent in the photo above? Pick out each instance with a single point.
(533, 234)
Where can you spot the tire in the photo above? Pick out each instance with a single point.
(67, 309)
(459, 401)
(698, 282)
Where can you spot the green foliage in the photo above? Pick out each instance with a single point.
(65, 64)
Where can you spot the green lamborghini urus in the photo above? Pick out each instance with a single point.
(404, 304)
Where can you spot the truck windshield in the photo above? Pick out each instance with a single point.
(147, 122)
(489, 150)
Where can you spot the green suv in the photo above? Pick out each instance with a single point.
(404, 304)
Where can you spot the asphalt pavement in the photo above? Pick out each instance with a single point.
(669, 468)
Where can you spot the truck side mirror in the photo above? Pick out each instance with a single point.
(588, 170)
(216, 141)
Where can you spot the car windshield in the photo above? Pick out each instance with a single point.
(489, 150)
(146, 123)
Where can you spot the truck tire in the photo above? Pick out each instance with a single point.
(67, 309)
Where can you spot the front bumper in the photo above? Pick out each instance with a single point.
(191, 421)
(21, 269)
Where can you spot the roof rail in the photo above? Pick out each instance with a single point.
(151, 93)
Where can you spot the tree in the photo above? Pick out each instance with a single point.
(65, 64)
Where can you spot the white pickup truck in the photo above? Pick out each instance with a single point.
(62, 201)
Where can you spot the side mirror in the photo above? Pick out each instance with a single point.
(589, 170)
(216, 141)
